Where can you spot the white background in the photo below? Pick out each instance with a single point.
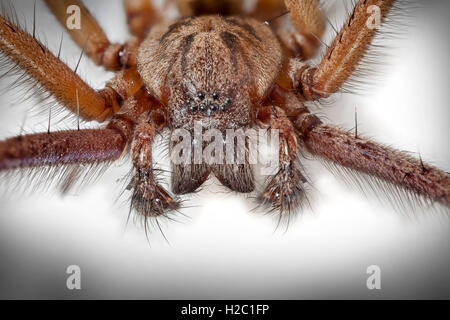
(223, 250)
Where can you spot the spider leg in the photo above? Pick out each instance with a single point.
(354, 152)
(76, 149)
(92, 38)
(309, 24)
(53, 76)
(285, 191)
(63, 148)
(141, 15)
(343, 55)
(149, 198)
(302, 33)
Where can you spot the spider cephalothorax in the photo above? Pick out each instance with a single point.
(226, 71)
(212, 69)
(210, 66)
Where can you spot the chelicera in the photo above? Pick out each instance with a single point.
(218, 64)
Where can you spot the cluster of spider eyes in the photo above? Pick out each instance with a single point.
(208, 105)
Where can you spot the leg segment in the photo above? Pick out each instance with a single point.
(369, 157)
(149, 198)
(53, 75)
(62, 148)
(125, 84)
(141, 15)
(360, 154)
(58, 79)
(303, 38)
(285, 190)
(92, 38)
(76, 146)
(344, 54)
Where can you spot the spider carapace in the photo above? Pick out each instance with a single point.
(224, 68)
(210, 66)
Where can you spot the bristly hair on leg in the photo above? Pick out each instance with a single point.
(394, 187)
(405, 202)
(65, 178)
(161, 173)
(19, 84)
(289, 201)
(375, 62)
(149, 202)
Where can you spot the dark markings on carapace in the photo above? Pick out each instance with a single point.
(175, 27)
(243, 36)
(187, 43)
(244, 26)
(231, 41)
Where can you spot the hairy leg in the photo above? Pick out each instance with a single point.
(309, 23)
(343, 55)
(63, 148)
(285, 190)
(356, 153)
(141, 15)
(302, 34)
(72, 151)
(363, 155)
(125, 84)
(149, 198)
(92, 38)
(60, 81)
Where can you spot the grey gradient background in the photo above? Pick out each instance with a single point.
(223, 250)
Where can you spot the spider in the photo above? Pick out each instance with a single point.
(216, 64)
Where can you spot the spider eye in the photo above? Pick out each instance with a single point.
(215, 96)
(201, 95)
(214, 107)
(224, 107)
(192, 106)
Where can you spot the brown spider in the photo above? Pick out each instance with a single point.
(231, 70)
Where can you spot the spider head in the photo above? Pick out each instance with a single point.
(222, 103)
(210, 68)
(208, 105)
